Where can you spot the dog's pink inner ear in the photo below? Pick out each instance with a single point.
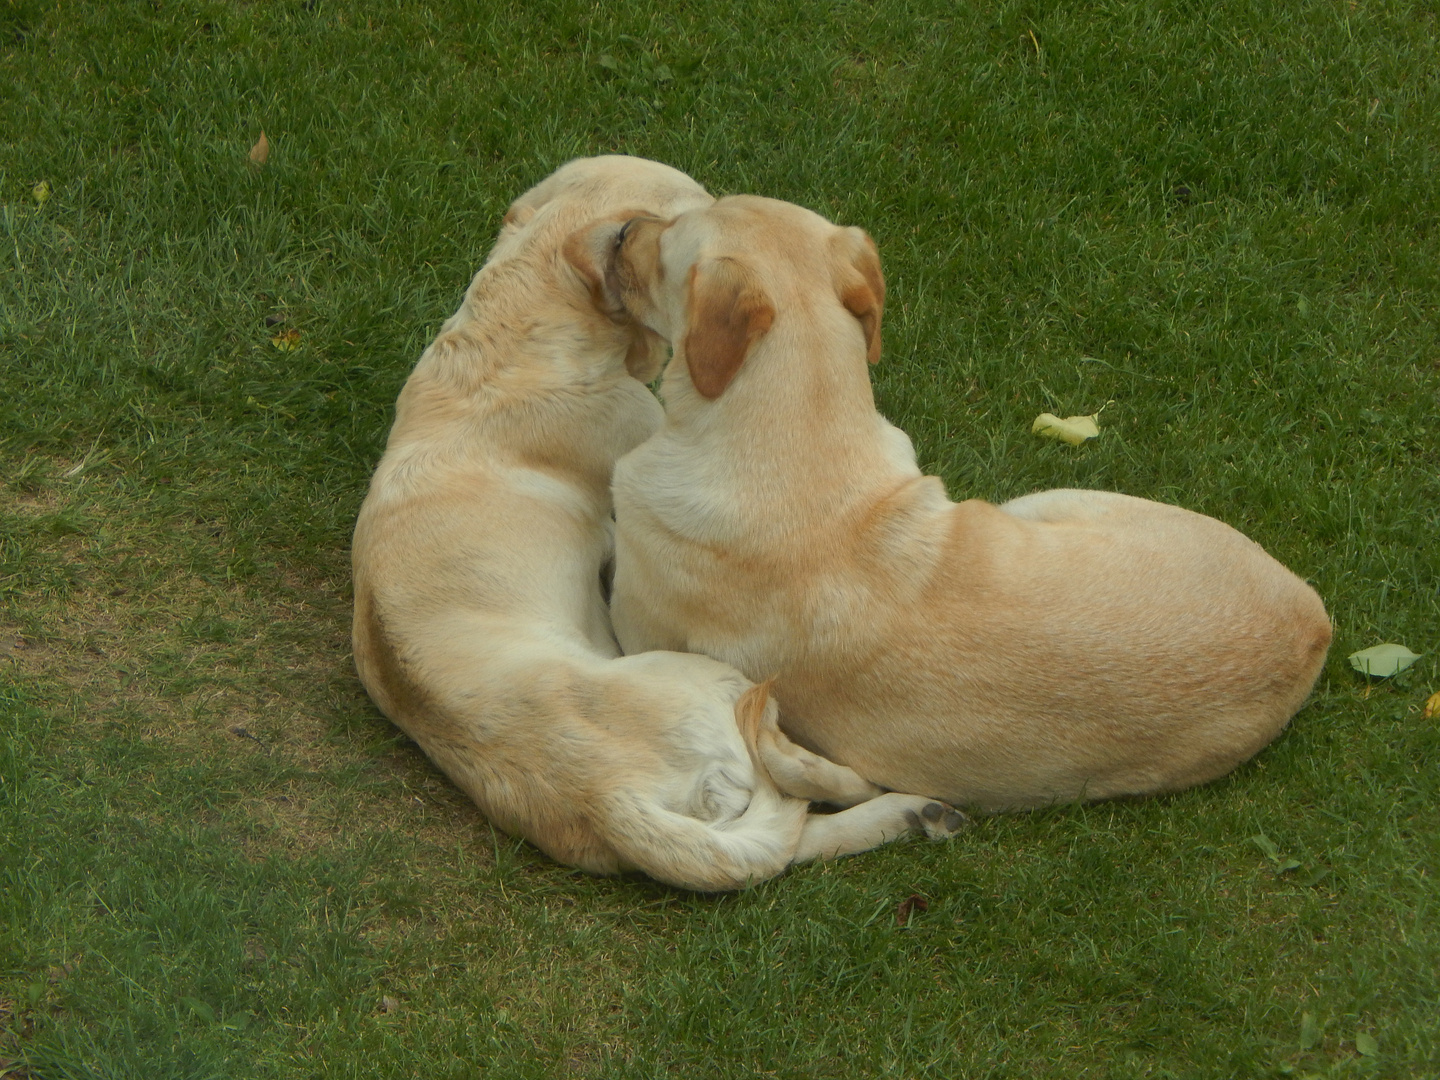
(728, 312)
(862, 289)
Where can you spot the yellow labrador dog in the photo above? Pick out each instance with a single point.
(1069, 644)
(480, 624)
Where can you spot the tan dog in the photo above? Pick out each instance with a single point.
(1069, 644)
(480, 624)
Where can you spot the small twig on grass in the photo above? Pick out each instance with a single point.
(242, 732)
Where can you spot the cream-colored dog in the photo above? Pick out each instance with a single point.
(480, 625)
(1069, 644)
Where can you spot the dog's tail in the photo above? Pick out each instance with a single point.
(793, 769)
(750, 717)
(716, 856)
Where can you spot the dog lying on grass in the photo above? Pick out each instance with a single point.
(480, 625)
(1068, 644)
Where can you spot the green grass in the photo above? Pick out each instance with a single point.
(218, 860)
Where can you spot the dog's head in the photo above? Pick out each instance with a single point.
(714, 280)
(607, 190)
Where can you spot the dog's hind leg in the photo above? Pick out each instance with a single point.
(878, 821)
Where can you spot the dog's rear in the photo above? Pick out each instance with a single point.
(544, 758)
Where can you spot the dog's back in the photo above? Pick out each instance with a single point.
(1112, 647)
(480, 627)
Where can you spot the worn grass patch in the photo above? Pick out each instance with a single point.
(216, 858)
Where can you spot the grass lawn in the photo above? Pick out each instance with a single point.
(1219, 222)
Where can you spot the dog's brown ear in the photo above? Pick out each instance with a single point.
(728, 312)
(519, 214)
(647, 354)
(861, 284)
(588, 251)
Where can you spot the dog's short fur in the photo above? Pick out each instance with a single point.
(1069, 644)
(480, 625)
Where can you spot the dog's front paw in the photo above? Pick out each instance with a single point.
(936, 820)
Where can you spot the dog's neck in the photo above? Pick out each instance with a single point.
(800, 413)
(511, 381)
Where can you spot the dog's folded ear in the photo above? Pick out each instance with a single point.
(591, 254)
(647, 354)
(590, 251)
(860, 283)
(728, 312)
(518, 215)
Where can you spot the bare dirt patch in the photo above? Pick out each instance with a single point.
(147, 640)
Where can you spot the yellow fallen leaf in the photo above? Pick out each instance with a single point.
(1073, 429)
(41, 191)
(1432, 706)
(260, 152)
(286, 340)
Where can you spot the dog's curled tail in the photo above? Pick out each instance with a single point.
(750, 717)
(710, 856)
(716, 856)
(791, 768)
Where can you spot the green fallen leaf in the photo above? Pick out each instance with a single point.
(1073, 429)
(1368, 1045)
(1382, 661)
(41, 192)
(1286, 866)
(199, 1008)
(1315, 876)
(1265, 844)
(1309, 1031)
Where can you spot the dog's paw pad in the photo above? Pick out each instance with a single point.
(940, 821)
